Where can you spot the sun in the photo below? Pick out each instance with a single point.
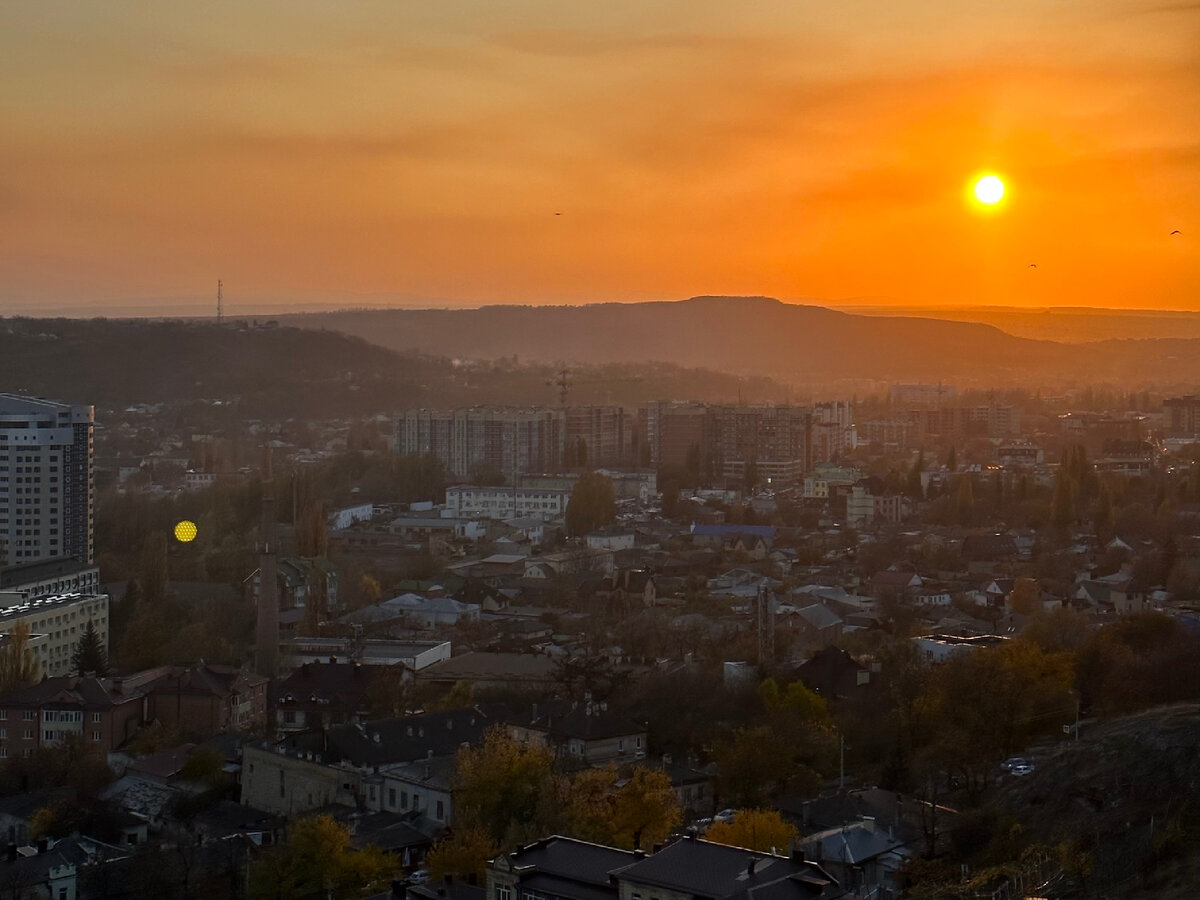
(989, 190)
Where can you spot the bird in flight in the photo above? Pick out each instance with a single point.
(1176, 231)
(1033, 265)
(558, 214)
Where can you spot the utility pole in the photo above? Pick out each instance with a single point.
(841, 762)
(220, 303)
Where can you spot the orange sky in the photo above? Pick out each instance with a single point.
(353, 153)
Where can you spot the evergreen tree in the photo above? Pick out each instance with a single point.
(1102, 520)
(592, 504)
(89, 655)
(964, 501)
(914, 488)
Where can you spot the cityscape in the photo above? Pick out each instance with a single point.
(656, 451)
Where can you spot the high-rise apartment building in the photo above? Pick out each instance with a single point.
(763, 444)
(46, 481)
(598, 436)
(770, 443)
(833, 431)
(514, 441)
(1183, 416)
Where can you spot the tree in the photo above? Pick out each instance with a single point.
(634, 813)
(913, 487)
(754, 764)
(1025, 597)
(311, 537)
(318, 861)
(89, 655)
(205, 764)
(750, 474)
(645, 810)
(153, 577)
(505, 788)
(487, 474)
(755, 829)
(592, 504)
(1057, 630)
(464, 853)
(1062, 507)
(18, 665)
(670, 497)
(1102, 518)
(964, 500)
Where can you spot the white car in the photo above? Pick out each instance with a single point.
(725, 815)
(1012, 761)
(1022, 769)
(419, 877)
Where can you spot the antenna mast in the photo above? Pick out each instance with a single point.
(564, 386)
(220, 309)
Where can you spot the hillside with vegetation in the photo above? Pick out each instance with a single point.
(285, 372)
(762, 336)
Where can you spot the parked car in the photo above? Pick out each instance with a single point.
(725, 815)
(1012, 761)
(1022, 769)
(420, 876)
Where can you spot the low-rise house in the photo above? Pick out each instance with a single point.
(1129, 596)
(997, 591)
(612, 538)
(368, 652)
(487, 670)
(207, 699)
(817, 624)
(584, 734)
(694, 785)
(626, 590)
(106, 712)
(423, 786)
(860, 855)
(584, 561)
(313, 769)
(48, 870)
(415, 611)
(834, 674)
(980, 551)
(940, 647)
(898, 581)
(687, 869)
(321, 695)
(303, 581)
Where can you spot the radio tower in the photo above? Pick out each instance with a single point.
(220, 310)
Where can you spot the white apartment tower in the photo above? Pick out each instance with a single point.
(46, 481)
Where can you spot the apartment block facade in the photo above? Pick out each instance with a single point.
(46, 481)
(511, 440)
(507, 502)
(56, 622)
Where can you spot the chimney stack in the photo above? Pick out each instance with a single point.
(266, 645)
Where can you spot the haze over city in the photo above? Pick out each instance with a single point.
(414, 154)
(648, 450)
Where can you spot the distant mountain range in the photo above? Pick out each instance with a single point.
(762, 336)
(1067, 324)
